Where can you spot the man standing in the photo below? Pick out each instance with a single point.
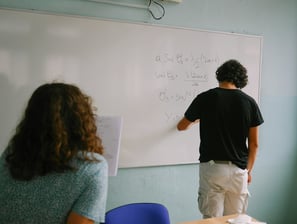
(229, 121)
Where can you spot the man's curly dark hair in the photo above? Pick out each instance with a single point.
(232, 71)
(58, 123)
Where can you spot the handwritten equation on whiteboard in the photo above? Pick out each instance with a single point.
(183, 77)
(109, 130)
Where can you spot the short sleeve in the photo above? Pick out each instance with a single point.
(257, 118)
(193, 113)
(92, 201)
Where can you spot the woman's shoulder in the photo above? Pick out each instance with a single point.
(92, 156)
(97, 156)
(91, 161)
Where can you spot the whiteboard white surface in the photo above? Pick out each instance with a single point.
(146, 74)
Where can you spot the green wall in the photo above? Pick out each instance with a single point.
(273, 199)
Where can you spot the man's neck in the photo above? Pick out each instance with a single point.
(227, 85)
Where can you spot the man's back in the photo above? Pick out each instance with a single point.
(225, 118)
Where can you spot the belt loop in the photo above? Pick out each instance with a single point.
(211, 162)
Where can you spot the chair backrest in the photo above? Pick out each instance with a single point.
(138, 213)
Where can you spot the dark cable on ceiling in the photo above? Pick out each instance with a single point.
(158, 4)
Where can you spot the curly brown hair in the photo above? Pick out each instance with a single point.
(59, 122)
(232, 71)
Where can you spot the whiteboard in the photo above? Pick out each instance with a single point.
(146, 74)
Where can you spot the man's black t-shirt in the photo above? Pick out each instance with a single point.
(225, 118)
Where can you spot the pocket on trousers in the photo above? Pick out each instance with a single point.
(241, 171)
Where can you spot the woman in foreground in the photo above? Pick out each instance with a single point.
(52, 170)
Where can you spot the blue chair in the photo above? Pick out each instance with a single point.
(138, 213)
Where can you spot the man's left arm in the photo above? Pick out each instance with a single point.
(253, 144)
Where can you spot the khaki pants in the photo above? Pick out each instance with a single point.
(223, 189)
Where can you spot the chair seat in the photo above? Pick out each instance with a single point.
(138, 213)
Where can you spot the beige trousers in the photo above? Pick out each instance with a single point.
(223, 189)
